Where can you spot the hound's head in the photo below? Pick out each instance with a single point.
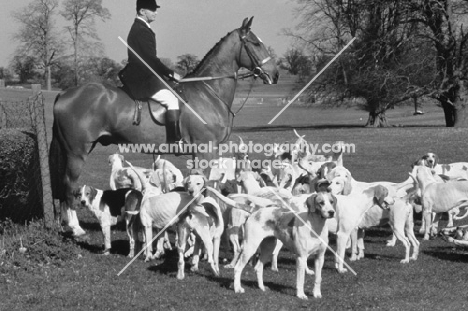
(116, 159)
(430, 159)
(322, 203)
(194, 183)
(340, 181)
(162, 180)
(380, 196)
(86, 195)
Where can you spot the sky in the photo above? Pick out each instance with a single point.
(182, 26)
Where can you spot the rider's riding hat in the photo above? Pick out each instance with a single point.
(147, 4)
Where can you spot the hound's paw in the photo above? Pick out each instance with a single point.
(239, 290)
(353, 257)
(302, 296)
(274, 269)
(264, 288)
(106, 252)
(414, 257)
(310, 271)
(148, 258)
(229, 266)
(317, 294)
(404, 260)
(194, 269)
(342, 270)
(390, 243)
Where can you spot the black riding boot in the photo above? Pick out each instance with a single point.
(172, 126)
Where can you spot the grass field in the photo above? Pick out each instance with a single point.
(436, 281)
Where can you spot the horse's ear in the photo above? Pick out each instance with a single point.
(246, 24)
(249, 24)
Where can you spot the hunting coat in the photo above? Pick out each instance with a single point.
(141, 82)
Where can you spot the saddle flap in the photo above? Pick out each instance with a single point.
(157, 111)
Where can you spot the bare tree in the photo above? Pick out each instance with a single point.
(37, 36)
(187, 63)
(82, 14)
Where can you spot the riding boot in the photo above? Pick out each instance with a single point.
(172, 126)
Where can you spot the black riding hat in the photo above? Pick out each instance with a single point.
(147, 4)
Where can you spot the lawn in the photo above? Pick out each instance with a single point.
(437, 280)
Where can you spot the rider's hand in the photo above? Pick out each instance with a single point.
(176, 77)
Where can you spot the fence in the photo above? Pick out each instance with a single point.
(28, 117)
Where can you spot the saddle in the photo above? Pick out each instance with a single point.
(156, 110)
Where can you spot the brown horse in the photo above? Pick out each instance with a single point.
(94, 113)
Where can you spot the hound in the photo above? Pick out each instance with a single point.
(452, 170)
(266, 224)
(108, 205)
(439, 197)
(203, 217)
(456, 235)
(177, 180)
(350, 211)
(126, 177)
(398, 216)
(446, 172)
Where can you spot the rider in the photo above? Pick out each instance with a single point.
(143, 84)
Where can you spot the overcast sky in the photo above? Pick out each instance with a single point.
(182, 26)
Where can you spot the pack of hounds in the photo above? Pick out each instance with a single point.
(297, 205)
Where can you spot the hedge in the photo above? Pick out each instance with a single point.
(20, 182)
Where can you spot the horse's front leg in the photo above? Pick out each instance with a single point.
(73, 171)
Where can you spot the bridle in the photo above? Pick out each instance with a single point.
(257, 71)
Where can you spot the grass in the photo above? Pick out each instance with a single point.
(437, 280)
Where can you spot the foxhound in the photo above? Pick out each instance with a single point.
(399, 215)
(305, 236)
(350, 211)
(202, 216)
(126, 177)
(108, 206)
(439, 197)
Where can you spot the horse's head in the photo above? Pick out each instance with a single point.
(255, 56)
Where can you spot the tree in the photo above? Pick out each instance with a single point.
(444, 20)
(187, 63)
(37, 36)
(297, 62)
(380, 65)
(82, 14)
(24, 67)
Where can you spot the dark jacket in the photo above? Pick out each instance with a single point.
(136, 76)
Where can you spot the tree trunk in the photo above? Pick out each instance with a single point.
(377, 119)
(460, 106)
(49, 78)
(449, 112)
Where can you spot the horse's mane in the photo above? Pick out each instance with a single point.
(203, 61)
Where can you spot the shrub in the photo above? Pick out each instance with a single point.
(20, 185)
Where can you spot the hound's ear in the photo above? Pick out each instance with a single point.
(310, 202)
(77, 192)
(155, 179)
(121, 157)
(380, 193)
(334, 201)
(185, 181)
(347, 186)
(92, 193)
(109, 159)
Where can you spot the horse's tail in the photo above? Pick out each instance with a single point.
(56, 162)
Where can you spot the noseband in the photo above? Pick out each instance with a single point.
(257, 61)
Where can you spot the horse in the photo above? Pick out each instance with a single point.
(95, 113)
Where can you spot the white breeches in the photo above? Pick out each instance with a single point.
(167, 99)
